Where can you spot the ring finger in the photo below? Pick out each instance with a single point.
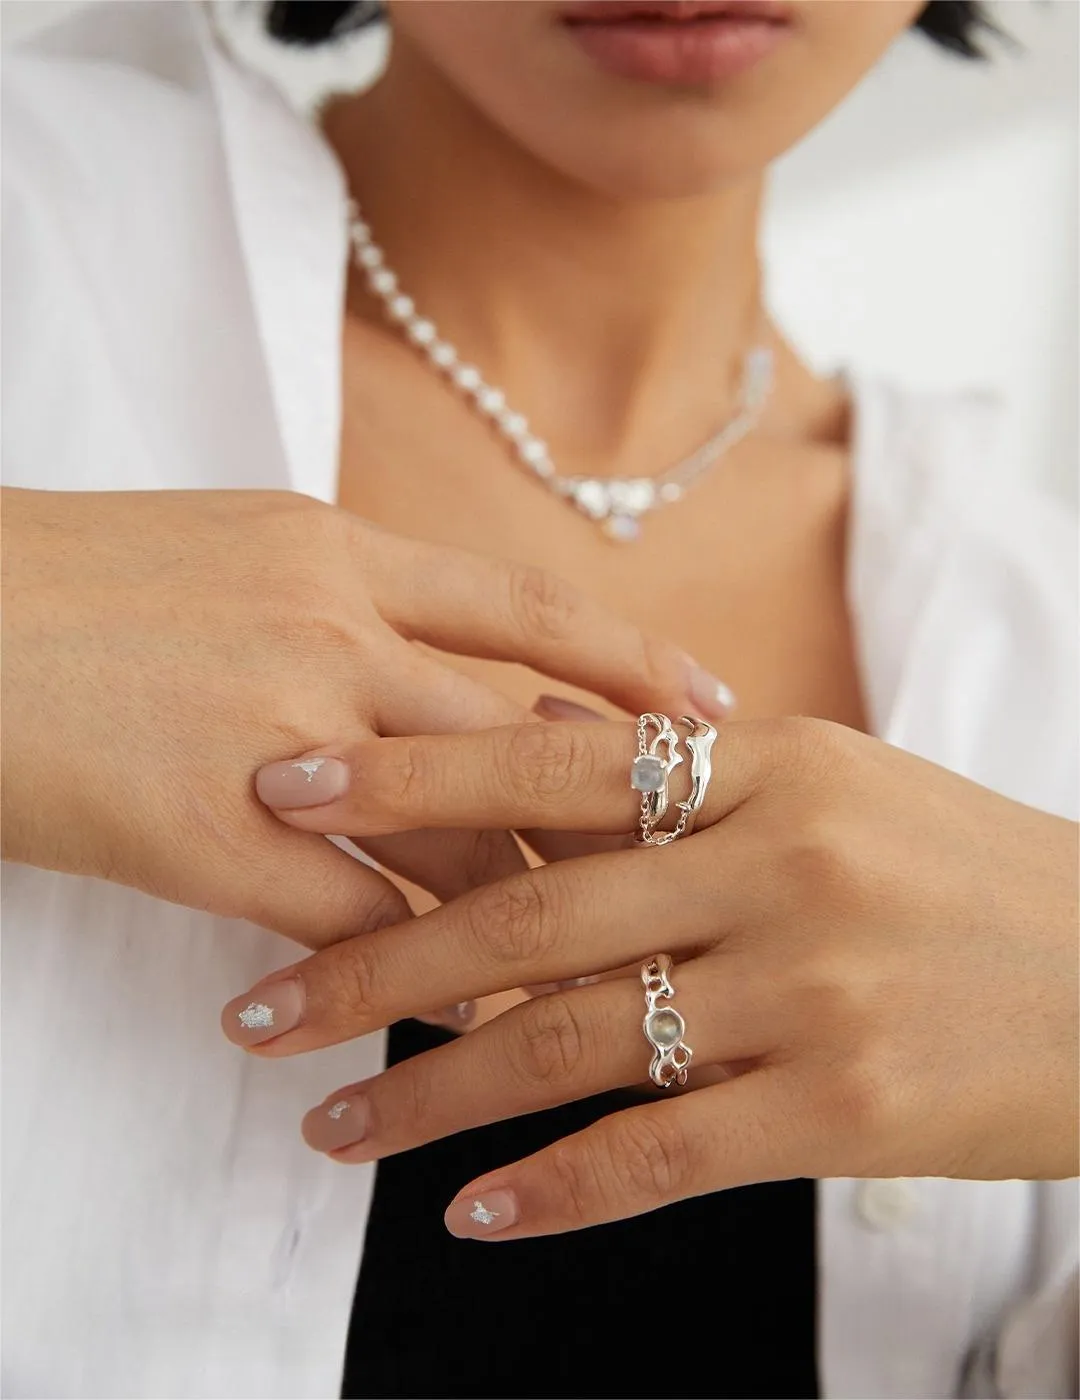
(550, 1051)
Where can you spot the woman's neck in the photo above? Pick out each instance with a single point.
(608, 322)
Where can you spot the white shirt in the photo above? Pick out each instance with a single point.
(174, 253)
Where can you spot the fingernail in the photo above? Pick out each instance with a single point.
(265, 1012)
(473, 1216)
(452, 1017)
(308, 782)
(709, 693)
(340, 1122)
(555, 707)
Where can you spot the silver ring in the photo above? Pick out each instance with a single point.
(699, 740)
(650, 774)
(663, 1026)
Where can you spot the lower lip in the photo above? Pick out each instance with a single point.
(681, 52)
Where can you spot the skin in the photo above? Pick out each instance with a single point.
(847, 1019)
(866, 1022)
(550, 185)
(160, 646)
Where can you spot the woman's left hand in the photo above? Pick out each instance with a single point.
(878, 954)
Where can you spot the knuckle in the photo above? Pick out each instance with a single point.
(393, 783)
(514, 921)
(549, 761)
(855, 1100)
(548, 1048)
(818, 857)
(487, 856)
(817, 747)
(347, 990)
(581, 1185)
(546, 607)
(650, 1157)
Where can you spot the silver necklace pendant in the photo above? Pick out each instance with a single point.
(616, 504)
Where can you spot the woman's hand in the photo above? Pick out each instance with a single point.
(879, 954)
(158, 647)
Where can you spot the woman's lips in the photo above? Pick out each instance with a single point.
(679, 42)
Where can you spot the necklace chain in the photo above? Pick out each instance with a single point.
(616, 504)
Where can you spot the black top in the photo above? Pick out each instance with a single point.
(712, 1297)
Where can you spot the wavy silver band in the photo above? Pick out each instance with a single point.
(663, 1026)
(650, 773)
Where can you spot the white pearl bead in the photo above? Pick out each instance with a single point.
(443, 354)
(670, 491)
(420, 332)
(382, 281)
(544, 468)
(490, 401)
(400, 308)
(533, 451)
(361, 232)
(467, 377)
(514, 425)
(370, 256)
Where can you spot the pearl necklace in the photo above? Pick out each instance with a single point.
(616, 504)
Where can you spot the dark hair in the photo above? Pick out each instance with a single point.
(954, 24)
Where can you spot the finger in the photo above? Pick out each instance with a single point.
(745, 1130)
(564, 845)
(569, 777)
(551, 924)
(308, 890)
(477, 606)
(555, 1050)
(447, 863)
(423, 696)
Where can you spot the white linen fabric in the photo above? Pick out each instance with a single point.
(174, 252)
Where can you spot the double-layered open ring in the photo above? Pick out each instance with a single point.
(663, 1026)
(657, 758)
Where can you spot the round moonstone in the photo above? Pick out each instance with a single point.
(665, 1028)
(623, 528)
(648, 773)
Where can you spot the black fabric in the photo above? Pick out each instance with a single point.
(712, 1297)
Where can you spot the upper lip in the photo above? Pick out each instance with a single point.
(618, 11)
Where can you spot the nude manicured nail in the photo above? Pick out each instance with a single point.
(481, 1213)
(710, 694)
(265, 1012)
(307, 782)
(555, 707)
(340, 1122)
(454, 1018)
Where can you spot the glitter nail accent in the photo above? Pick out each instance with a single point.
(257, 1016)
(481, 1214)
(336, 1110)
(310, 766)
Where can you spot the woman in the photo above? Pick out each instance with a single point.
(571, 195)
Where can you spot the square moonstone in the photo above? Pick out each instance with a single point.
(648, 773)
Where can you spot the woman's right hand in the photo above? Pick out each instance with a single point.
(160, 647)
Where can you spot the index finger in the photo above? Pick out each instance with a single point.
(479, 606)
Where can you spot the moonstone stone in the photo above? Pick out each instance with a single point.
(623, 528)
(648, 773)
(665, 1028)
